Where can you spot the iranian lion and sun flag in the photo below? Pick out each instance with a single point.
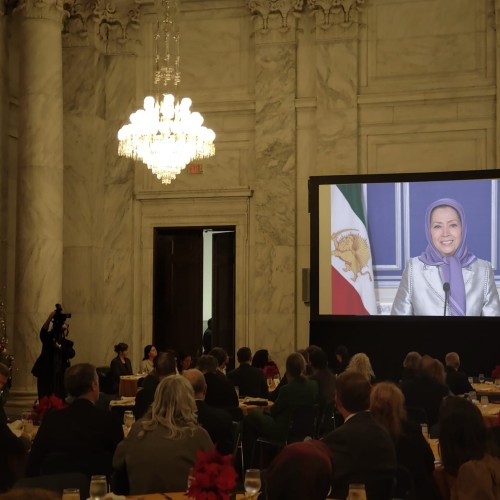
(353, 289)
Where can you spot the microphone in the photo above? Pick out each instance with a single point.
(446, 288)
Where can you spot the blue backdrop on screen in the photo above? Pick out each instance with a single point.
(396, 213)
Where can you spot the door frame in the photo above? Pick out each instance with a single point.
(201, 209)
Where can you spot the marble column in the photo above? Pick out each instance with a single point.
(39, 222)
(275, 176)
(337, 27)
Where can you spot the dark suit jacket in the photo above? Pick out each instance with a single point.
(145, 395)
(427, 393)
(250, 380)
(218, 423)
(220, 391)
(457, 381)
(117, 369)
(361, 449)
(79, 429)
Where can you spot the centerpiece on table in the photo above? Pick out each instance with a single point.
(46, 404)
(213, 477)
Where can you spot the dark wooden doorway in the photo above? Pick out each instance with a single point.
(178, 289)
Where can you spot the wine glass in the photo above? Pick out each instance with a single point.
(98, 487)
(252, 482)
(481, 378)
(71, 494)
(497, 383)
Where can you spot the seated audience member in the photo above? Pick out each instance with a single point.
(326, 384)
(222, 358)
(13, 456)
(342, 359)
(387, 405)
(165, 366)
(261, 359)
(360, 363)
(80, 430)
(217, 422)
(300, 471)
(363, 451)
(427, 389)
(472, 471)
(411, 365)
(299, 391)
(221, 392)
(456, 379)
(184, 362)
(120, 365)
(148, 361)
(250, 380)
(161, 448)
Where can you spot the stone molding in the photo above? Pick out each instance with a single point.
(342, 13)
(112, 30)
(270, 11)
(42, 9)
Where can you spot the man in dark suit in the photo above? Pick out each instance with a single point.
(456, 379)
(81, 431)
(165, 365)
(217, 422)
(362, 449)
(250, 380)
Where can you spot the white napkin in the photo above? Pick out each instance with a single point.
(16, 427)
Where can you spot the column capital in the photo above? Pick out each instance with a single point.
(42, 9)
(342, 13)
(274, 14)
(110, 29)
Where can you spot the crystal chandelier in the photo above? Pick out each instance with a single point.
(165, 134)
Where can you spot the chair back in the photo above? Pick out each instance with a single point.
(57, 483)
(303, 423)
(417, 414)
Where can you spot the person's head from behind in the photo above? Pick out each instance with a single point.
(434, 370)
(295, 366)
(341, 353)
(445, 226)
(165, 364)
(412, 360)
(121, 349)
(207, 363)
(150, 352)
(244, 355)
(173, 408)
(318, 359)
(353, 392)
(81, 381)
(197, 380)
(260, 358)
(360, 363)
(462, 433)
(220, 355)
(387, 405)
(452, 359)
(184, 361)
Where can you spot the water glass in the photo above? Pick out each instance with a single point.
(357, 492)
(481, 378)
(497, 383)
(27, 421)
(128, 419)
(252, 482)
(425, 431)
(484, 400)
(71, 494)
(98, 487)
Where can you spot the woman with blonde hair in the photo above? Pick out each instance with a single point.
(360, 363)
(411, 365)
(387, 405)
(161, 447)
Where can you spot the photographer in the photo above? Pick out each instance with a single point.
(57, 350)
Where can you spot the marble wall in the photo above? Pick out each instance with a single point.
(292, 89)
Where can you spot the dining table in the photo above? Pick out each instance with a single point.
(487, 389)
(178, 495)
(249, 403)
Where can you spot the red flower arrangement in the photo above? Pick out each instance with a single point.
(496, 372)
(47, 403)
(214, 477)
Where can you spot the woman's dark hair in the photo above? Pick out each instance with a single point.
(342, 351)
(121, 347)
(146, 351)
(462, 433)
(296, 366)
(260, 358)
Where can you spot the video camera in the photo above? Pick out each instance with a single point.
(60, 317)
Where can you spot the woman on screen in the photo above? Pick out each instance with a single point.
(447, 279)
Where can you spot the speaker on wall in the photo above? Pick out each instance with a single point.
(306, 285)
